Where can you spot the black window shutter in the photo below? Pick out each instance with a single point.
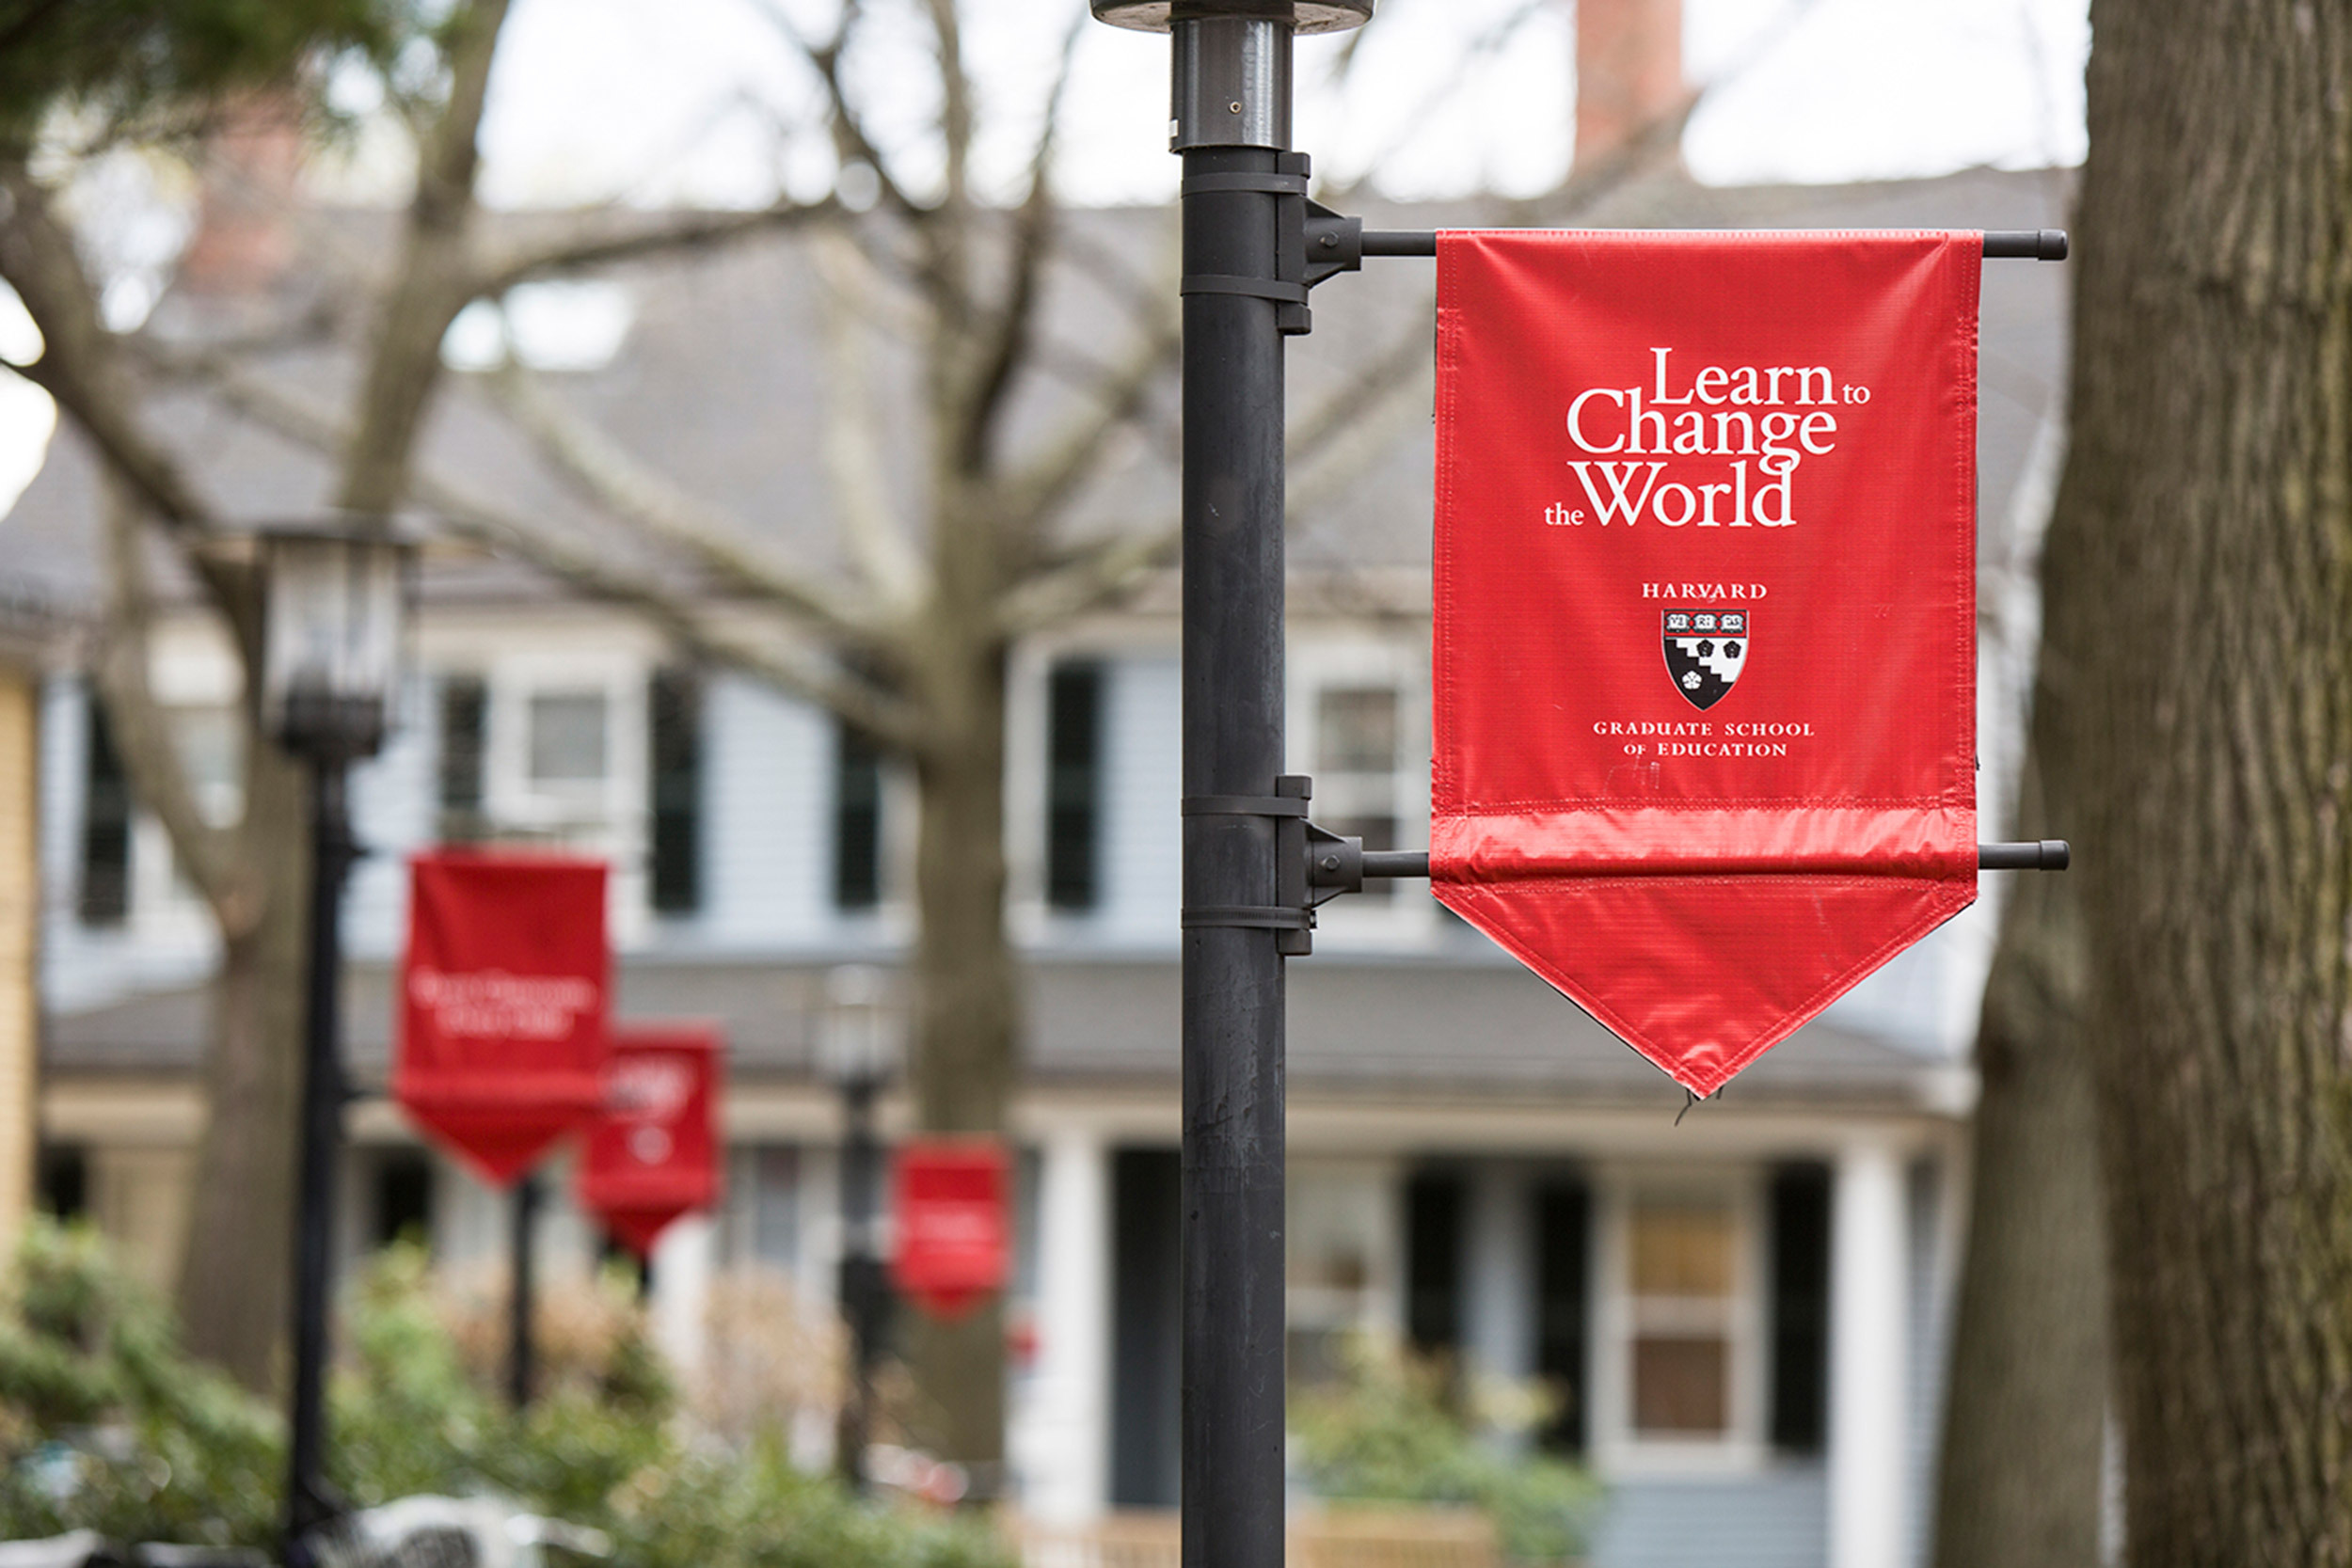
(856, 820)
(674, 746)
(1073, 783)
(1563, 1231)
(1800, 1308)
(106, 891)
(464, 708)
(1436, 1205)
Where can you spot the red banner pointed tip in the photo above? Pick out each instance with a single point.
(1694, 1023)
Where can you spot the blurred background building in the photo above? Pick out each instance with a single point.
(1740, 1309)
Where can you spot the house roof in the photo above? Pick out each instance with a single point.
(1478, 1030)
(721, 383)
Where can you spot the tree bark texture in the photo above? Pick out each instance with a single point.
(237, 1270)
(2195, 729)
(964, 1054)
(2026, 1406)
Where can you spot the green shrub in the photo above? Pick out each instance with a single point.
(105, 1424)
(1388, 1431)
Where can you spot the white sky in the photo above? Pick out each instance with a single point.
(671, 100)
(664, 100)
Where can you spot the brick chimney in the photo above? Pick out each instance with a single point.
(1628, 72)
(244, 240)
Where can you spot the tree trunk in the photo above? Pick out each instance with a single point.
(962, 1062)
(235, 1276)
(2199, 694)
(2025, 1412)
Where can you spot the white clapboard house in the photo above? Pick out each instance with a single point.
(1743, 1309)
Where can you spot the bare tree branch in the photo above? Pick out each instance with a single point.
(597, 467)
(1006, 344)
(850, 142)
(1368, 384)
(463, 515)
(956, 120)
(1046, 481)
(435, 279)
(590, 242)
(1098, 575)
(897, 575)
(1109, 267)
(815, 677)
(1491, 40)
(142, 728)
(79, 365)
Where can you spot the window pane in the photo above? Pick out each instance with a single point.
(566, 736)
(465, 707)
(1681, 1250)
(1355, 730)
(777, 1221)
(1679, 1384)
(210, 746)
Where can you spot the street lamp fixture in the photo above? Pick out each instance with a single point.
(856, 1050)
(334, 628)
(335, 609)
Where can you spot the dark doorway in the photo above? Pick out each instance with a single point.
(64, 1181)
(403, 1197)
(1147, 1198)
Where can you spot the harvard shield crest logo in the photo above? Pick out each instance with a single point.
(1706, 650)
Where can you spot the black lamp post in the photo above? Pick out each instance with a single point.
(1244, 286)
(334, 621)
(855, 1049)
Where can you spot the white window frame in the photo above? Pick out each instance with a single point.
(606, 821)
(1409, 917)
(1363, 1198)
(1617, 1448)
(190, 664)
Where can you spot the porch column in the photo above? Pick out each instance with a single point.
(1065, 1450)
(1868, 1436)
(683, 1261)
(1499, 1281)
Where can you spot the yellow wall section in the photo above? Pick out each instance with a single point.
(20, 917)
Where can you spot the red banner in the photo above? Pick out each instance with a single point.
(1705, 617)
(654, 1153)
(954, 1238)
(503, 1005)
